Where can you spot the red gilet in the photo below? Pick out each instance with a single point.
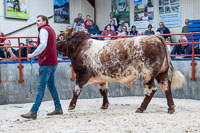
(49, 55)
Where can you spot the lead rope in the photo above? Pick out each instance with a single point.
(31, 62)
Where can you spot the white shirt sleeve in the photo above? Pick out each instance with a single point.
(43, 42)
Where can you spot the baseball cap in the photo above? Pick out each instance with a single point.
(29, 40)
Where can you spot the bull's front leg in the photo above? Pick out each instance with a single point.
(82, 78)
(76, 92)
(103, 90)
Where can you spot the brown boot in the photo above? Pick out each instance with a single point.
(56, 112)
(29, 115)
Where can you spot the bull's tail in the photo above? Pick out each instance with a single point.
(177, 78)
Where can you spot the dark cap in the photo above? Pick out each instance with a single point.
(29, 40)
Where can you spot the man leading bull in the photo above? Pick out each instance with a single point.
(47, 59)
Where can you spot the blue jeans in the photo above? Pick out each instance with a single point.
(46, 76)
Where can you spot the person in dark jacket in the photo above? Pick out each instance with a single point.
(182, 49)
(163, 30)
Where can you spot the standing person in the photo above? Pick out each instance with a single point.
(87, 21)
(185, 28)
(112, 18)
(79, 18)
(47, 59)
(149, 31)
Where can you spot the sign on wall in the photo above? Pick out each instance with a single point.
(121, 9)
(61, 11)
(16, 9)
(143, 13)
(169, 12)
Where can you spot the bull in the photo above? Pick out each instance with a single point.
(97, 62)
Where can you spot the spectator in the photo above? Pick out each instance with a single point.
(29, 50)
(149, 31)
(113, 26)
(182, 49)
(93, 29)
(78, 26)
(87, 21)
(121, 24)
(140, 33)
(168, 41)
(112, 18)
(68, 27)
(7, 52)
(79, 18)
(185, 28)
(108, 32)
(133, 30)
(163, 30)
(124, 29)
(2, 39)
(123, 34)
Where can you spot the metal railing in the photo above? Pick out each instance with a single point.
(20, 66)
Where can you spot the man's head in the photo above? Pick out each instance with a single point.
(7, 43)
(41, 20)
(29, 41)
(80, 15)
(183, 40)
(111, 15)
(186, 22)
(161, 24)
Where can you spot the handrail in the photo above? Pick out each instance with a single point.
(193, 64)
(25, 27)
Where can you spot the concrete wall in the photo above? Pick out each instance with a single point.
(11, 91)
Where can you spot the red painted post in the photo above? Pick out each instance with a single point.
(193, 64)
(72, 78)
(20, 64)
(0, 75)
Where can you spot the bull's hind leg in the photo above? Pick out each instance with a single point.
(103, 90)
(165, 84)
(149, 91)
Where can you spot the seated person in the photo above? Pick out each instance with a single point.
(93, 29)
(113, 26)
(78, 25)
(7, 52)
(121, 25)
(149, 31)
(29, 50)
(133, 30)
(182, 49)
(163, 30)
(124, 29)
(108, 32)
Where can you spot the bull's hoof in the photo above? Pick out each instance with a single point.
(104, 106)
(139, 110)
(72, 107)
(171, 110)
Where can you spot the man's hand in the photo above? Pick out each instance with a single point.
(29, 56)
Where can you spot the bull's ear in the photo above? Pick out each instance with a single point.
(73, 31)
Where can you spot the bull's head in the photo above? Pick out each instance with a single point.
(63, 40)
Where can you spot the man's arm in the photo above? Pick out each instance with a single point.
(43, 42)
